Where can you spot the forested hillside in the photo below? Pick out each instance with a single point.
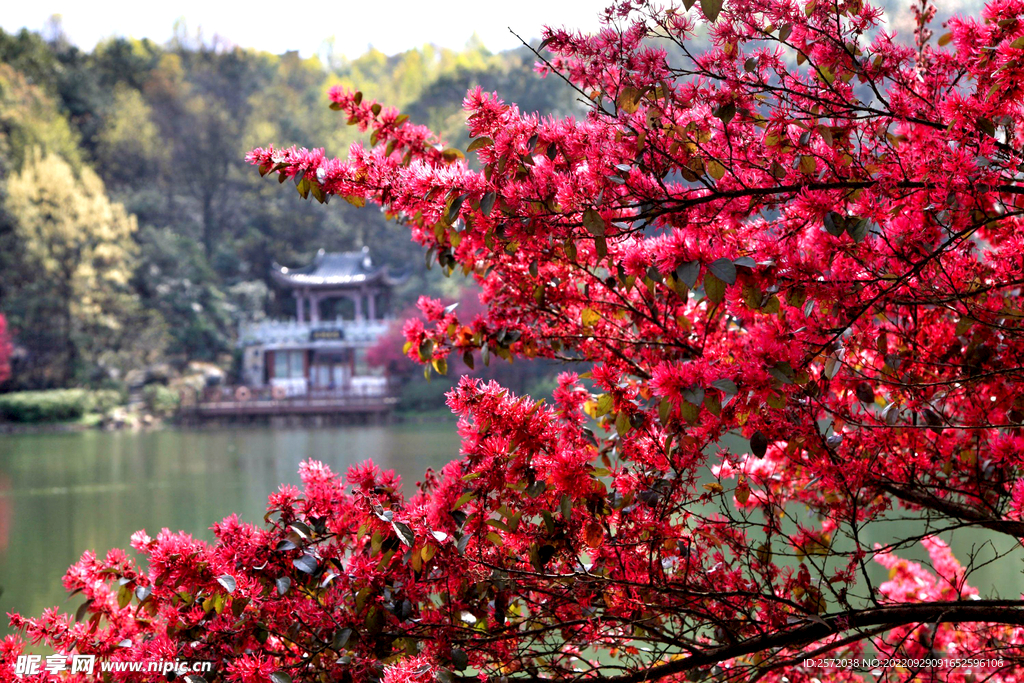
(132, 232)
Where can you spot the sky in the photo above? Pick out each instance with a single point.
(277, 26)
(390, 26)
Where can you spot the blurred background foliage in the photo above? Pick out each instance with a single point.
(132, 233)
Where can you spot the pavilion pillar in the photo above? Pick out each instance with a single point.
(299, 299)
(314, 308)
(358, 299)
(372, 304)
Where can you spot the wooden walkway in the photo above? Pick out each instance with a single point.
(297, 406)
(222, 405)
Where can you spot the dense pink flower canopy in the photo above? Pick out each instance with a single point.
(782, 256)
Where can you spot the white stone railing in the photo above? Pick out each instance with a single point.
(292, 331)
(356, 386)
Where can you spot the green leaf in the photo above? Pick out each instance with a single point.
(694, 395)
(454, 208)
(589, 317)
(864, 392)
(82, 610)
(426, 350)
(479, 143)
(758, 444)
(593, 222)
(711, 9)
(622, 424)
(835, 223)
(726, 386)
(715, 169)
(724, 270)
(306, 563)
(341, 637)
(463, 499)
(745, 262)
(687, 273)
(713, 405)
(857, 229)
(714, 288)
(782, 372)
(726, 113)
(664, 410)
(318, 193)
(629, 99)
(565, 507)
(487, 203)
(280, 677)
(452, 154)
(405, 534)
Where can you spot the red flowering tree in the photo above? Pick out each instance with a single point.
(793, 261)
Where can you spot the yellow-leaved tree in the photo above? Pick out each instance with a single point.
(77, 253)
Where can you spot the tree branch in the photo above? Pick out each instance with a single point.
(1009, 612)
(953, 509)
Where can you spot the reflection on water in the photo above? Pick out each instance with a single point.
(63, 494)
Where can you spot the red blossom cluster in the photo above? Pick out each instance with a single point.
(790, 266)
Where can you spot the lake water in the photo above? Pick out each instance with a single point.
(63, 494)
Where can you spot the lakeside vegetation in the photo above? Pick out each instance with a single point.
(56, 405)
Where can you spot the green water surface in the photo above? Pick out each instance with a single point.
(63, 494)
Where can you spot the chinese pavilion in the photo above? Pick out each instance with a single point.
(342, 303)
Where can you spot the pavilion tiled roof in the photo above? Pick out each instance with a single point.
(347, 269)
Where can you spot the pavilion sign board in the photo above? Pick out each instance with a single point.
(326, 335)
